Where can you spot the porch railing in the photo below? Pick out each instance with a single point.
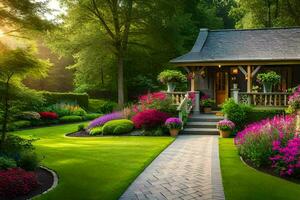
(183, 103)
(264, 99)
(177, 97)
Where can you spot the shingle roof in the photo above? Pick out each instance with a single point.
(244, 45)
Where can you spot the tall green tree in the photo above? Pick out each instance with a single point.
(15, 65)
(266, 13)
(20, 16)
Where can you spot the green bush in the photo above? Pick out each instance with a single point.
(14, 145)
(117, 127)
(82, 99)
(29, 115)
(29, 161)
(80, 127)
(256, 115)
(96, 131)
(6, 163)
(66, 109)
(21, 124)
(101, 106)
(71, 118)
(237, 113)
(91, 116)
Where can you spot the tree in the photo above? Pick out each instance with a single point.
(19, 16)
(15, 65)
(266, 13)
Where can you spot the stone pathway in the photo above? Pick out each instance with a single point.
(188, 169)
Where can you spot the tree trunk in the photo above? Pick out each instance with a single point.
(120, 80)
(5, 115)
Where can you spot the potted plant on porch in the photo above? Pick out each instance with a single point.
(174, 125)
(207, 103)
(225, 127)
(171, 77)
(268, 80)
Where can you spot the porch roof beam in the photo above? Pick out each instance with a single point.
(243, 70)
(255, 71)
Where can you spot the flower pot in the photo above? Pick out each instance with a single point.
(174, 132)
(171, 86)
(207, 109)
(267, 87)
(224, 134)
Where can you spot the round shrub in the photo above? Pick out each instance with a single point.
(21, 124)
(91, 116)
(117, 127)
(49, 115)
(171, 76)
(16, 182)
(149, 119)
(96, 130)
(6, 163)
(80, 127)
(29, 115)
(71, 118)
(29, 161)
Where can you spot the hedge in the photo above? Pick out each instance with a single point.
(101, 106)
(82, 99)
(257, 114)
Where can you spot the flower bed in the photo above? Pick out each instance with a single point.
(272, 143)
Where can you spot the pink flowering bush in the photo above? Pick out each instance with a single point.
(149, 119)
(225, 125)
(173, 123)
(256, 142)
(294, 99)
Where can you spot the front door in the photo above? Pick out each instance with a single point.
(221, 87)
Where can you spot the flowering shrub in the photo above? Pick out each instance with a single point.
(269, 141)
(48, 115)
(29, 115)
(173, 123)
(294, 99)
(149, 98)
(15, 182)
(150, 118)
(65, 109)
(286, 160)
(105, 118)
(225, 125)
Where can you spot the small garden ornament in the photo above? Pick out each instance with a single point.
(174, 125)
(225, 128)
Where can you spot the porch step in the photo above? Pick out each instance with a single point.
(202, 124)
(200, 131)
(199, 124)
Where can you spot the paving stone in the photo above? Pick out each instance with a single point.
(188, 169)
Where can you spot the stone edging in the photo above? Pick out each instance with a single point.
(55, 181)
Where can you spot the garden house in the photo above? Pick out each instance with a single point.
(225, 63)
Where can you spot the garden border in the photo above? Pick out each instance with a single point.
(54, 184)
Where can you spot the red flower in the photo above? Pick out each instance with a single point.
(15, 182)
(150, 118)
(48, 115)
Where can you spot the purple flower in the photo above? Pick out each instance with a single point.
(173, 123)
(225, 125)
(105, 118)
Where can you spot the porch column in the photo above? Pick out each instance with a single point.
(249, 79)
(193, 82)
(196, 108)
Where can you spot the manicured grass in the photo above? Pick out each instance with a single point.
(93, 168)
(244, 183)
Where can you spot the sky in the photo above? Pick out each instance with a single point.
(56, 10)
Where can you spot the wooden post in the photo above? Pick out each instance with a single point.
(249, 83)
(249, 79)
(193, 82)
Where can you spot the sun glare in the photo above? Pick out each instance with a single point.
(1, 33)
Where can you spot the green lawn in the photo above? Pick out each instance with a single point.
(93, 168)
(244, 183)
